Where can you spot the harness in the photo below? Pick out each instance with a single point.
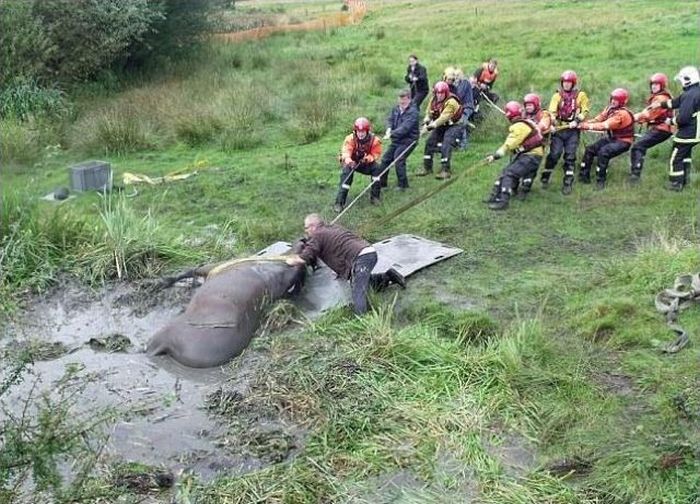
(533, 140)
(566, 110)
(626, 131)
(668, 113)
(362, 147)
(436, 109)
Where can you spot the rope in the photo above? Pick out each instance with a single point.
(419, 199)
(488, 100)
(235, 262)
(685, 292)
(372, 182)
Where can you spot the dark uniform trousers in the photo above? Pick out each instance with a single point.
(347, 175)
(680, 163)
(392, 154)
(604, 149)
(449, 137)
(639, 149)
(523, 166)
(566, 142)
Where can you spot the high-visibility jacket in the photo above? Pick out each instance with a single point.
(543, 119)
(656, 118)
(567, 106)
(486, 76)
(355, 150)
(523, 137)
(447, 112)
(618, 122)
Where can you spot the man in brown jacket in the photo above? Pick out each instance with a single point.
(348, 255)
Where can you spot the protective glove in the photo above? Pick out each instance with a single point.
(669, 121)
(350, 165)
(573, 125)
(430, 126)
(368, 159)
(424, 130)
(387, 134)
(490, 158)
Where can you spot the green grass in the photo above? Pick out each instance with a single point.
(542, 336)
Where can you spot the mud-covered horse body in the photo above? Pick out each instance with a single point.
(225, 312)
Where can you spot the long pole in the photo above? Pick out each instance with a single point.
(373, 181)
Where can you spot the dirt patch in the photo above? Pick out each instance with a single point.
(516, 454)
(615, 383)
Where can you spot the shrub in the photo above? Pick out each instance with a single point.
(121, 130)
(197, 129)
(24, 98)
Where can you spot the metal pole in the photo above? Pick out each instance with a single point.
(373, 181)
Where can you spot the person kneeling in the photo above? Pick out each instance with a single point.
(526, 142)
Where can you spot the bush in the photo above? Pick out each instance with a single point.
(121, 130)
(197, 129)
(74, 25)
(24, 43)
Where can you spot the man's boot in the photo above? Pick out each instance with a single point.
(544, 178)
(340, 200)
(502, 202)
(427, 166)
(445, 172)
(636, 162)
(675, 185)
(568, 185)
(600, 184)
(495, 191)
(634, 178)
(584, 176)
(524, 190)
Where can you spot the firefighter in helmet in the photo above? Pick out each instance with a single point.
(360, 152)
(525, 142)
(659, 125)
(532, 110)
(618, 122)
(569, 106)
(443, 121)
(686, 121)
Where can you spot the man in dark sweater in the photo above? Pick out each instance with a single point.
(403, 130)
(348, 255)
(417, 78)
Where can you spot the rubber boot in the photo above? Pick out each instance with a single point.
(502, 202)
(340, 200)
(427, 166)
(545, 177)
(445, 171)
(636, 163)
(568, 185)
(495, 191)
(584, 176)
(524, 189)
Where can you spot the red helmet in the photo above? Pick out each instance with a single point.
(568, 76)
(532, 98)
(513, 110)
(441, 87)
(659, 78)
(362, 124)
(621, 95)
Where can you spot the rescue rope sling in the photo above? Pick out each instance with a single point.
(685, 292)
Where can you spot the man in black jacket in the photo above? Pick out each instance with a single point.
(417, 78)
(403, 130)
(688, 134)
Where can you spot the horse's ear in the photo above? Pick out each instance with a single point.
(298, 246)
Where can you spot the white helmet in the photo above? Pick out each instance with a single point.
(688, 76)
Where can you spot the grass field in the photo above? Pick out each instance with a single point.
(525, 370)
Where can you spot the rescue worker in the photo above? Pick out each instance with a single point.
(462, 89)
(483, 80)
(359, 153)
(569, 106)
(348, 255)
(417, 79)
(659, 122)
(403, 130)
(618, 123)
(442, 120)
(688, 127)
(532, 110)
(526, 143)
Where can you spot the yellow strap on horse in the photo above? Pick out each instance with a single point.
(235, 262)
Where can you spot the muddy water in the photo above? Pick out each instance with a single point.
(161, 418)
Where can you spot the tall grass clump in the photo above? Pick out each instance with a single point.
(34, 247)
(313, 113)
(121, 130)
(126, 246)
(27, 98)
